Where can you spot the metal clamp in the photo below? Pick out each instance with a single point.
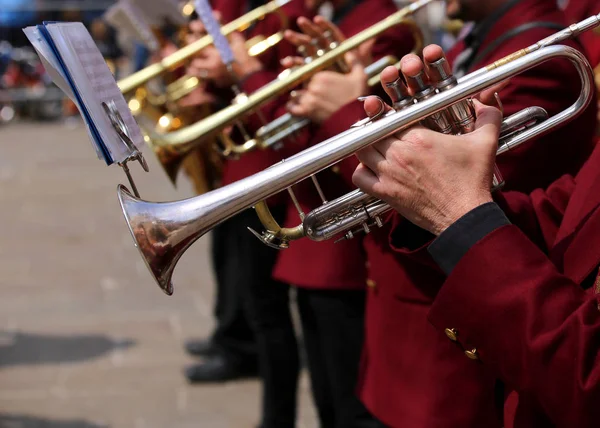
(119, 126)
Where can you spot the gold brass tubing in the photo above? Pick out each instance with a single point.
(272, 227)
(170, 62)
(181, 88)
(256, 48)
(507, 59)
(217, 122)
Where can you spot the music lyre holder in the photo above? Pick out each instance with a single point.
(119, 126)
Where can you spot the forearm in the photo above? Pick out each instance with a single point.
(533, 326)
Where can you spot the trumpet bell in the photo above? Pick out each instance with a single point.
(150, 238)
(163, 231)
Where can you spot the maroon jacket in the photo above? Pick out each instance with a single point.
(532, 325)
(328, 264)
(411, 374)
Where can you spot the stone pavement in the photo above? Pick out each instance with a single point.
(87, 340)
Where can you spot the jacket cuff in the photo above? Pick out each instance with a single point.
(450, 247)
(468, 297)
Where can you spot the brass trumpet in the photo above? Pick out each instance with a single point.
(275, 133)
(171, 62)
(171, 155)
(163, 231)
(158, 111)
(187, 138)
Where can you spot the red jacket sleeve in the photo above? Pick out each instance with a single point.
(536, 329)
(540, 213)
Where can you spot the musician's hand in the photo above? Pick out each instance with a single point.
(313, 37)
(430, 178)
(208, 64)
(327, 92)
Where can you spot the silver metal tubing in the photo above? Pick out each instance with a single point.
(163, 231)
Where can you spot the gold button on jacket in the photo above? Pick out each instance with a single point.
(452, 334)
(472, 354)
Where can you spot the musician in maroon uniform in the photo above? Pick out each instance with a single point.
(528, 317)
(252, 310)
(417, 378)
(331, 278)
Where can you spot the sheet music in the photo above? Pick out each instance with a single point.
(55, 71)
(130, 20)
(95, 84)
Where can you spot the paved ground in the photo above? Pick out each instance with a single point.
(86, 338)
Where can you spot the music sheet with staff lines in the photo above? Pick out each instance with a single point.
(93, 84)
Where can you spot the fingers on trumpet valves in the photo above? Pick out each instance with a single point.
(395, 88)
(413, 70)
(327, 26)
(302, 42)
(437, 66)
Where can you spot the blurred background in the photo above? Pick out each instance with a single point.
(86, 338)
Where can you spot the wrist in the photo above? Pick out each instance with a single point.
(456, 211)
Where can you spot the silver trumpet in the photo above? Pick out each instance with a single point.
(163, 231)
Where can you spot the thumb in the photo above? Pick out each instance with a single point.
(487, 129)
(236, 37)
(489, 119)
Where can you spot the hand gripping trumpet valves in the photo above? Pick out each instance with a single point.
(439, 121)
(462, 114)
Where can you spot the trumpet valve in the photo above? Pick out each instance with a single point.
(401, 95)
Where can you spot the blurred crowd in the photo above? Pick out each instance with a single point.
(25, 88)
